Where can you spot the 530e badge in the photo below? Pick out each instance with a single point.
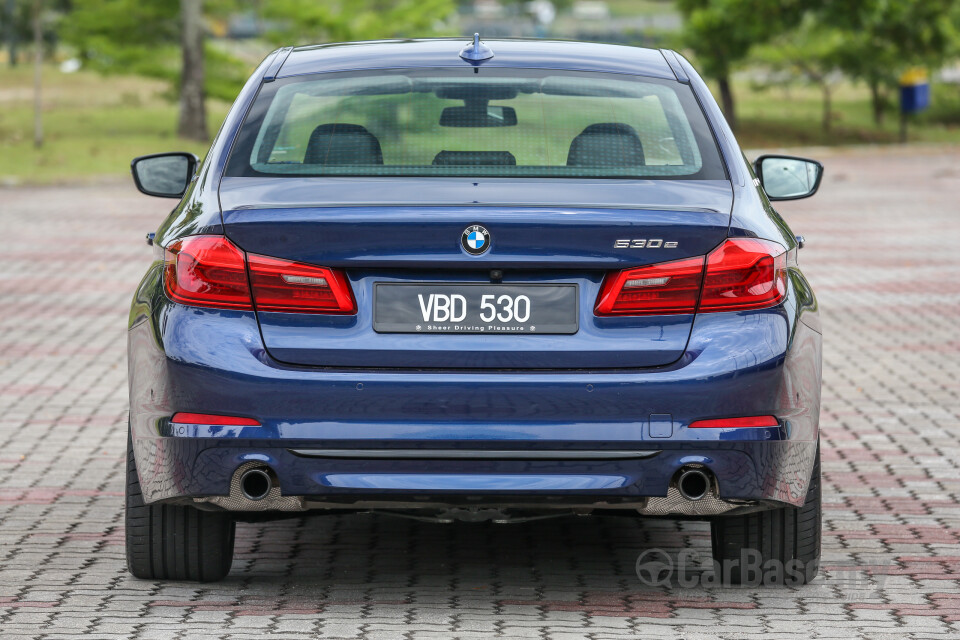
(643, 243)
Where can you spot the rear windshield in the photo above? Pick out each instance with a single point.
(484, 122)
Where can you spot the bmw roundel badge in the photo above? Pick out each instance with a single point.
(475, 239)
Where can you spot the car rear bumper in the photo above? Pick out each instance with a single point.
(580, 428)
(201, 469)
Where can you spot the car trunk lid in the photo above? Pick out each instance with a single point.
(547, 233)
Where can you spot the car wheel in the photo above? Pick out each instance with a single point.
(171, 542)
(779, 546)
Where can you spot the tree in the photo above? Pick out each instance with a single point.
(193, 112)
(37, 73)
(11, 15)
(812, 51)
(883, 38)
(161, 39)
(721, 34)
(308, 21)
(32, 21)
(155, 38)
(17, 24)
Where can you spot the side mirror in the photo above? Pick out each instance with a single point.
(787, 177)
(165, 175)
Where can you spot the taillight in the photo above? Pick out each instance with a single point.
(659, 289)
(211, 271)
(295, 287)
(736, 423)
(744, 273)
(207, 271)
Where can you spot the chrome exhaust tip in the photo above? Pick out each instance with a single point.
(693, 484)
(255, 484)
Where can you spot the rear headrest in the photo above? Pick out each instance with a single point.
(475, 158)
(606, 144)
(342, 144)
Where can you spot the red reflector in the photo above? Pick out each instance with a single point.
(744, 273)
(658, 289)
(206, 271)
(206, 418)
(295, 287)
(736, 423)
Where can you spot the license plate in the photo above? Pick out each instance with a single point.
(475, 308)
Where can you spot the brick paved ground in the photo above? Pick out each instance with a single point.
(891, 423)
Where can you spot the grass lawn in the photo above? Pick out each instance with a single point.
(95, 124)
(792, 116)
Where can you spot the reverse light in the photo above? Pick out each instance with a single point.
(211, 271)
(208, 418)
(658, 289)
(295, 287)
(742, 273)
(736, 423)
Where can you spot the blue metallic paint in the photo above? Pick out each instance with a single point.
(216, 361)
(521, 54)
(428, 237)
(600, 342)
(244, 194)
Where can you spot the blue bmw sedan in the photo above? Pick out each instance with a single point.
(481, 281)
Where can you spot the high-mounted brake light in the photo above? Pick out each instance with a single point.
(207, 418)
(742, 273)
(659, 289)
(207, 271)
(294, 287)
(736, 423)
(211, 271)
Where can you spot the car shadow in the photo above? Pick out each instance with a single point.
(511, 560)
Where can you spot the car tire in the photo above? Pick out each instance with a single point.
(784, 542)
(171, 542)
